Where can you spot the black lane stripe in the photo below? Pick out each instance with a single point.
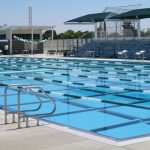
(76, 104)
(40, 79)
(109, 94)
(130, 97)
(80, 111)
(125, 104)
(119, 115)
(120, 125)
(116, 126)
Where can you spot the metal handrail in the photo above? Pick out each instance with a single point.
(38, 115)
(18, 86)
(89, 53)
(23, 113)
(5, 100)
(47, 96)
(35, 87)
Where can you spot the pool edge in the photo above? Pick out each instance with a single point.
(95, 137)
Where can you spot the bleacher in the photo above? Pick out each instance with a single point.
(110, 48)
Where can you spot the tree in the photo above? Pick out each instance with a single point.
(47, 34)
(66, 35)
(147, 33)
(70, 34)
(129, 30)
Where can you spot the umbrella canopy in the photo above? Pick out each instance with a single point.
(90, 18)
(134, 14)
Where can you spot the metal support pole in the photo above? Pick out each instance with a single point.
(24, 119)
(134, 28)
(139, 28)
(52, 34)
(53, 39)
(95, 25)
(13, 121)
(116, 29)
(5, 105)
(38, 122)
(18, 112)
(49, 44)
(32, 39)
(57, 46)
(101, 30)
(27, 122)
(105, 29)
(10, 38)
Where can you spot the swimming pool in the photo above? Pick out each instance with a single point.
(105, 98)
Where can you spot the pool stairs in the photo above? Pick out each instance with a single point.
(89, 55)
(35, 91)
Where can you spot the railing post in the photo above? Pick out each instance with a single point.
(13, 118)
(27, 122)
(18, 111)
(5, 104)
(38, 122)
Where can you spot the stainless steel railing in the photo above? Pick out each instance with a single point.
(88, 54)
(23, 113)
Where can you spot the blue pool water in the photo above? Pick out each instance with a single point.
(104, 98)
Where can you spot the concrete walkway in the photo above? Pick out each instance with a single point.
(75, 58)
(45, 138)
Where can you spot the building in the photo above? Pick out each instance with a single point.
(31, 33)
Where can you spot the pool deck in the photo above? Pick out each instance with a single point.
(61, 57)
(47, 138)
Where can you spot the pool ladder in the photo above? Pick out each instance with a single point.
(22, 113)
(88, 54)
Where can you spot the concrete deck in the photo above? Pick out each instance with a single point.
(61, 57)
(45, 138)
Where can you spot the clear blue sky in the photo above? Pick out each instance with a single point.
(56, 12)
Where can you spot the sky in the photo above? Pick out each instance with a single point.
(56, 12)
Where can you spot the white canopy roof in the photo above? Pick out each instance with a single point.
(27, 27)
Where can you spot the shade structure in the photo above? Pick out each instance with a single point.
(134, 14)
(9, 30)
(92, 18)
